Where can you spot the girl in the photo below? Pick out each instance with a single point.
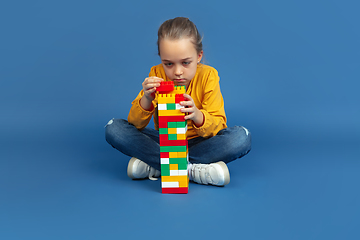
(211, 144)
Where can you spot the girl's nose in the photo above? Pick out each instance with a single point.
(178, 71)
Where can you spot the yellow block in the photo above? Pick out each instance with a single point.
(170, 112)
(173, 167)
(182, 180)
(166, 98)
(173, 155)
(173, 178)
(184, 183)
(181, 136)
(171, 130)
(179, 90)
(181, 154)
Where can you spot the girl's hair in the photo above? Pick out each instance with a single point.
(178, 28)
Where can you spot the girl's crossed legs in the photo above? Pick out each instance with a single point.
(229, 144)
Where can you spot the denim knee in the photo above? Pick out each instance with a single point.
(114, 129)
(240, 138)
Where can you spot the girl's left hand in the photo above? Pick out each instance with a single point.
(193, 113)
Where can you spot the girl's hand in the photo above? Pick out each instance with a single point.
(149, 87)
(193, 113)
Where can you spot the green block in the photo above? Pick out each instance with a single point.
(182, 166)
(170, 106)
(172, 136)
(163, 131)
(172, 125)
(181, 124)
(172, 148)
(177, 160)
(165, 170)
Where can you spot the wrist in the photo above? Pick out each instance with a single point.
(146, 103)
(200, 119)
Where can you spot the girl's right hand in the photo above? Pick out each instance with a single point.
(149, 87)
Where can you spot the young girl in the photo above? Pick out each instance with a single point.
(211, 144)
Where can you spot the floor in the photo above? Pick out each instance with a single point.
(289, 73)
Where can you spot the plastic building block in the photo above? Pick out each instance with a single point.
(164, 155)
(169, 184)
(173, 155)
(175, 190)
(162, 106)
(173, 143)
(163, 124)
(173, 148)
(181, 124)
(171, 113)
(181, 154)
(179, 90)
(165, 161)
(163, 137)
(172, 124)
(181, 136)
(172, 137)
(165, 170)
(163, 130)
(179, 98)
(174, 167)
(171, 118)
(165, 87)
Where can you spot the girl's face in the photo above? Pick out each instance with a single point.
(180, 59)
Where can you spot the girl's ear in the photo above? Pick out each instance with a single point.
(200, 56)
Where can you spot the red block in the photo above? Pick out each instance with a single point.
(171, 118)
(163, 137)
(179, 98)
(175, 190)
(173, 142)
(165, 87)
(164, 155)
(162, 124)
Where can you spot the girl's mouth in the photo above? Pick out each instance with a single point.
(179, 80)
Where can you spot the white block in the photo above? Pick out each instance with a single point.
(180, 130)
(182, 172)
(178, 106)
(164, 160)
(174, 172)
(162, 106)
(169, 184)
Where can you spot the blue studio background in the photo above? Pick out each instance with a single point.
(289, 73)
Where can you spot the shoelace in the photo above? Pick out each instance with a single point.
(152, 174)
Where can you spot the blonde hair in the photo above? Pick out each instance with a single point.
(178, 28)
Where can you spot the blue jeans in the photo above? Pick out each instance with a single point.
(228, 145)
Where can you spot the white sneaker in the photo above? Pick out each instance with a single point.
(215, 173)
(137, 169)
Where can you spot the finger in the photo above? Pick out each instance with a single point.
(187, 103)
(188, 97)
(190, 116)
(187, 110)
(155, 79)
(150, 91)
(152, 85)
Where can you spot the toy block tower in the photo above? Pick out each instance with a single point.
(173, 142)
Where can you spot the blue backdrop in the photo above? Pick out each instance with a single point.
(289, 73)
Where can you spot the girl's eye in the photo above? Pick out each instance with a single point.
(168, 64)
(186, 63)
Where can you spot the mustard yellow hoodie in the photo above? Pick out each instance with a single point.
(204, 88)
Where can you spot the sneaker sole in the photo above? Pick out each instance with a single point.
(226, 172)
